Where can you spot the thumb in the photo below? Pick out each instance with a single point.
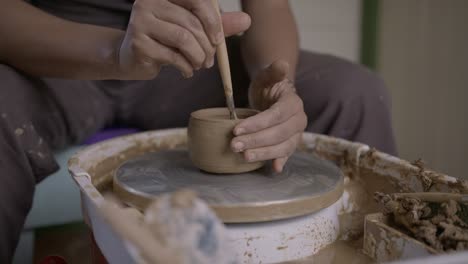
(235, 22)
(278, 164)
(271, 75)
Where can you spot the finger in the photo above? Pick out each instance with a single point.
(179, 38)
(279, 112)
(270, 136)
(274, 73)
(207, 13)
(150, 51)
(180, 16)
(278, 164)
(284, 149)
(235, 22)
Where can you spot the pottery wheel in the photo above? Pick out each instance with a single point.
(306, 185)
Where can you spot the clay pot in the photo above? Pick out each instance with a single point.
(210, 132)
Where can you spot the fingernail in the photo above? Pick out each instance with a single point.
(209, 63)
(239, 131)
(239, 146)
(280, 168)
(186, 76)
(251, 156)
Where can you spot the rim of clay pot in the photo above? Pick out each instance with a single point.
(221, 114)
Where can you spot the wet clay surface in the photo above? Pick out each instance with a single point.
(210, 132)
(441, 225)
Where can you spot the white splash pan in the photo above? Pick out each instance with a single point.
(269, 242)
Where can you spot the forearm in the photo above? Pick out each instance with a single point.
(272, 35)
(43, 45)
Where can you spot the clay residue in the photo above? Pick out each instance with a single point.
(442, 226)
(349, 164)
(423, 174)
(102, 172)
(340, 252)
(460, 185)
(370, 156)
(435, 181)
(361, 189)
(419, 163)
(369, 245)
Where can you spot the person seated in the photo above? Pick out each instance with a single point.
(71, 68)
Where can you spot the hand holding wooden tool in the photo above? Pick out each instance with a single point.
(225, 70)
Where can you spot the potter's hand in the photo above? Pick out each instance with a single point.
(275, 132)
(182, 33)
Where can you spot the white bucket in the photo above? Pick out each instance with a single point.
(285, 240)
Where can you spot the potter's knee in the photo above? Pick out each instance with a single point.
(11, 82)
(8, 75)
(332, 79)
(369, 86)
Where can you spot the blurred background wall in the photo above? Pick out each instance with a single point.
(423, 57)
(331, 26)
(421, 51)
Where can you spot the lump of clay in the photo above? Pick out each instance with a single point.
(443, 226)
(183, 222)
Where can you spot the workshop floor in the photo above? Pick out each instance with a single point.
(71, 241)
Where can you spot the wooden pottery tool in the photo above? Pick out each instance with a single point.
(225, 70)
(306, 185)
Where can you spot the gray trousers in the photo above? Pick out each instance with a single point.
(38, 115)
